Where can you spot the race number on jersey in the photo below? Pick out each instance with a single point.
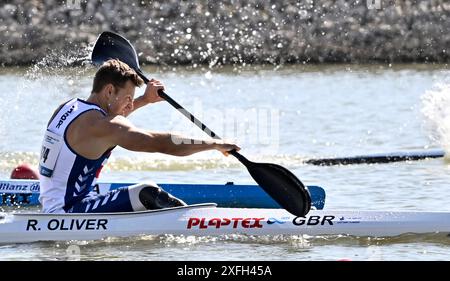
(51, 146)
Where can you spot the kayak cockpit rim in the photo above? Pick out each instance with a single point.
(193, 206)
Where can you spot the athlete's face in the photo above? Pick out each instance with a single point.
(120, 100)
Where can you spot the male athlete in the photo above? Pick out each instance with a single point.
(81, 135)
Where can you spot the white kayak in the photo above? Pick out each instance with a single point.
(207, 219)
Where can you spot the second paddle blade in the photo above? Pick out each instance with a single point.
(283, 186)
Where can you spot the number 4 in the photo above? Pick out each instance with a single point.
(44, 153)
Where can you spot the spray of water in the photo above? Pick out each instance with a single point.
(57, 61)
(436, 109)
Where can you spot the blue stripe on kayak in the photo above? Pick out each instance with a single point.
(228, 195)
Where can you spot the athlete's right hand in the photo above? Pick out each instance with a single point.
(226, 147)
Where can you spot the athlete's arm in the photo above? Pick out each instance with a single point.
(118, 130)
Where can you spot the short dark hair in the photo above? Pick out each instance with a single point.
(117, 73)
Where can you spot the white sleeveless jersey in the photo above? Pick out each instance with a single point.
(66, 177)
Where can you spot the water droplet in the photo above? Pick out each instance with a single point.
(208, 75)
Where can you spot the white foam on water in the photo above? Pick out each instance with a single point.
(436, 109)
(157, 162)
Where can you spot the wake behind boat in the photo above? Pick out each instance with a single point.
(26, 193)
(207, 219)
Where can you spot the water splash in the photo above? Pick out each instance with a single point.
(436, 109)
(56, 63)
(54, 78)
(58, 74)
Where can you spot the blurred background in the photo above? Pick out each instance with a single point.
(232, 31)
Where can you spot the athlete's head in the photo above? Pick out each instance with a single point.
(115, 82)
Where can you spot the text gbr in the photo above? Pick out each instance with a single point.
(314, 220)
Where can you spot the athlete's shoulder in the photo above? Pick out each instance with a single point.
(56, 112)
(92, 118)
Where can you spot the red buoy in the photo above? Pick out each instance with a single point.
(24, 172)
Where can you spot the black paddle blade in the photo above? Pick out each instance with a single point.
(283, 186)
(110, 45)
